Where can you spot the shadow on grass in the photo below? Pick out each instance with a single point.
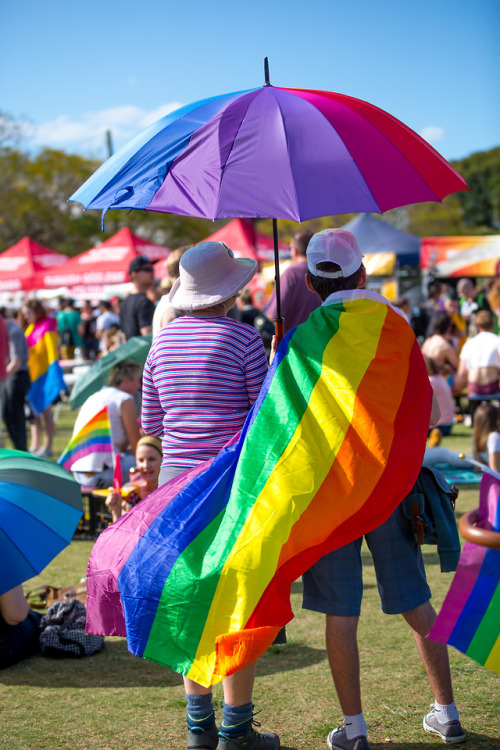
(115, 667)
(473, 742)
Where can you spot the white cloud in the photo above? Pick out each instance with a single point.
(432, 133)
(87, 132)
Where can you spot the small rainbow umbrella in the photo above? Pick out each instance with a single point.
(280, 153)
(40, 506)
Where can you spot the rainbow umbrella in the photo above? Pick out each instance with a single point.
(40, 506)
(272, 152)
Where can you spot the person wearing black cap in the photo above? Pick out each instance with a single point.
(137, 310)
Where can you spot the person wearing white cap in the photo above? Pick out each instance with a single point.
(203, 373)
(334, 585)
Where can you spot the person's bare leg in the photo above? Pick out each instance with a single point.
(343, 656)
(36, 434)
(193, 688)
(434, 655)
(49, 428)
(238, 687)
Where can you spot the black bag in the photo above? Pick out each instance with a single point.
(266, 329)
(63, 631)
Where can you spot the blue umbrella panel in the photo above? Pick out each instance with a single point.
(40, 507)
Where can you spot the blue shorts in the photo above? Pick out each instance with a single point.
(334, 585)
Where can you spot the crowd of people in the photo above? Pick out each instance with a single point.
(209, 357)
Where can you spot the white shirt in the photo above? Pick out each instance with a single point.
(482, 351)
(160, 309)
(113, 398)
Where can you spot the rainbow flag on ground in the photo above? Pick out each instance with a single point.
(94, 437)
(43, 363)
(198, 575)
(469, 619)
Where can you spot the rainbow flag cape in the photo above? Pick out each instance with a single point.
(198, 575)
(94, 436)
(469, 619)
(43, 363)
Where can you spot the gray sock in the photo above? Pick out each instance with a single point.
(236, 719)
(200, 711)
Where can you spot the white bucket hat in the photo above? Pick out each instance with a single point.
(208, 274)
(335, 246)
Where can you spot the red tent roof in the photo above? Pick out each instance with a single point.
(106, 263)
(244, 241)
(239, 235)
(22, 265)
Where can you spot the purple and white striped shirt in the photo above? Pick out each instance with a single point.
(200, 379)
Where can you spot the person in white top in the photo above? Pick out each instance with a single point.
(479, 367)
(486, 437)
(96, 469)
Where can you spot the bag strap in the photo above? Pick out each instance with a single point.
(418, 522)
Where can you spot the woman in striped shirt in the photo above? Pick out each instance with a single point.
(203, 373)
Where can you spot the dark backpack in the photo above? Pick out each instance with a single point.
(63, 632)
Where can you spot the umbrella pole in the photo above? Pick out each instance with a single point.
(279, 322)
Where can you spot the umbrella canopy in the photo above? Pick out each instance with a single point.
(90, 382)
(377, 236)
(104, 264)
(40, 506)
(272, 152)
(22, 265)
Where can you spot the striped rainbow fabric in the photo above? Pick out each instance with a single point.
(198, 575)
(469, 619)
(43, 363)
(94, 437)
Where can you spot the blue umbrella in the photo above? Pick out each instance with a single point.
(40, 506)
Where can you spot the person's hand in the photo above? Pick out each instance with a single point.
(114, 503)
(274, 346)
(114, 500)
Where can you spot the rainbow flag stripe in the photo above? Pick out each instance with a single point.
(469, 619)
(43, 363)
(95, 436)
(316, 465)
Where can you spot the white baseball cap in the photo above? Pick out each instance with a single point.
(335, 246)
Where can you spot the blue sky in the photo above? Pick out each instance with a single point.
(74, 71)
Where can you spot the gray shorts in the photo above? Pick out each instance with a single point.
(334, 585)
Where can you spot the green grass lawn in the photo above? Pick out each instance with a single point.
(115, 701)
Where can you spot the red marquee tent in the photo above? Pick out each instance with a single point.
(105, 264)
(22, 266)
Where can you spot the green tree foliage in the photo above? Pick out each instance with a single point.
(481, 206)
(33, 200)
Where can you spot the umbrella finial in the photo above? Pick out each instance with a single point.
(266, 72)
